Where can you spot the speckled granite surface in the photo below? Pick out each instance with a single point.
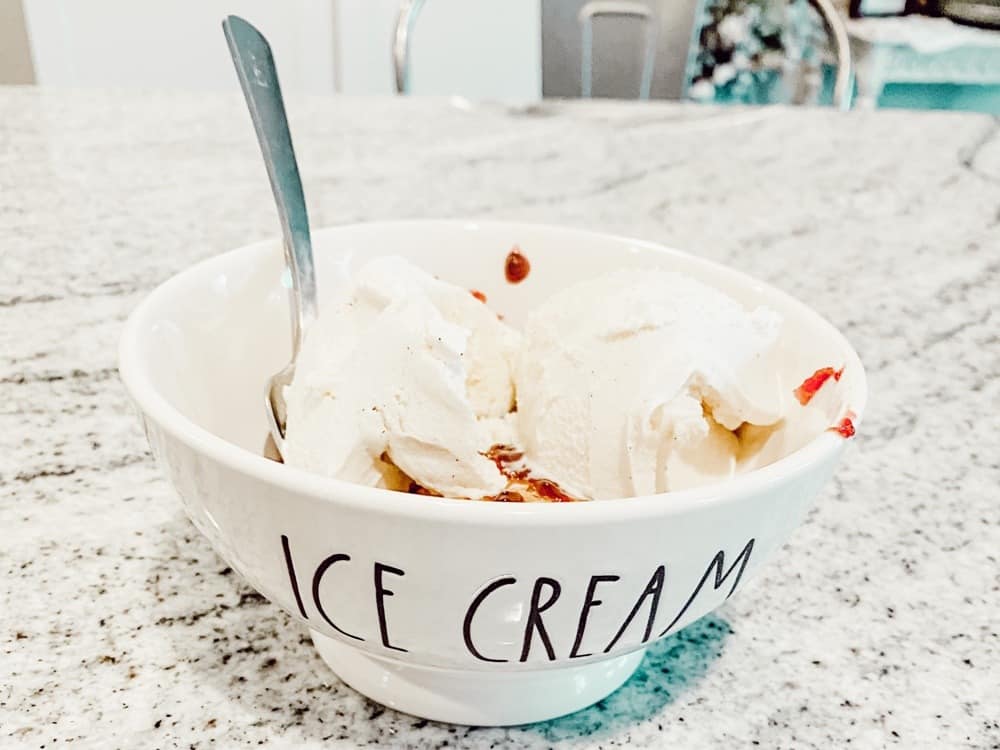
(878, 624)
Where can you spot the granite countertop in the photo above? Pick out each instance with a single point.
(878, 623)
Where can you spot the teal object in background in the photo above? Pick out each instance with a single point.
(774, 52)
(757, 52)
(941, 96)
(944, 96)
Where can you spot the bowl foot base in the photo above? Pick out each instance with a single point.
(474, 697)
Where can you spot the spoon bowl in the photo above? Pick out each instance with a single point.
(275, 407)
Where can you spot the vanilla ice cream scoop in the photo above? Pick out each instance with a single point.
(637, 383)
(403, 374)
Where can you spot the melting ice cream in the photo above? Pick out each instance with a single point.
(634, 383)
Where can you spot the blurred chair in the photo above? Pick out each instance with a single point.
(616, 9)
(646, 17)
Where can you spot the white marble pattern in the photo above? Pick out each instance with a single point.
(878, 624)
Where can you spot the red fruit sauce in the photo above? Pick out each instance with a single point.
(508, 496)
(805, 392)
(505, 455)
(845, 427)
(516, 267)
(549, 490)
(507, 458)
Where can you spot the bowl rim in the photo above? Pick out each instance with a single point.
(155, 406)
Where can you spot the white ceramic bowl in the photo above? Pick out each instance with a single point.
(455, 610)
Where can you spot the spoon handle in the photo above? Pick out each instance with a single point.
(259, 80)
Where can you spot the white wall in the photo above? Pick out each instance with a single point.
(174, 45)
(475, 48)
(478, 48)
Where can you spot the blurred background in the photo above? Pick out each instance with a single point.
(941, 54)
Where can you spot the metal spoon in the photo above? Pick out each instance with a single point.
(255, 67)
